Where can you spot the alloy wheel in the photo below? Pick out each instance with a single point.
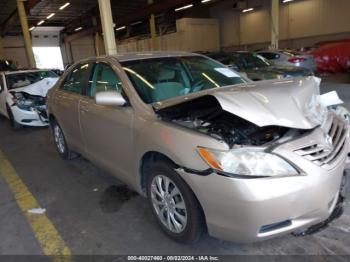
(168, 203)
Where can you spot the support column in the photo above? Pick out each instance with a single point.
(26, 35)
(274, 23)
(2, 52)
(97, 44)
(152, 24)
(107, 27)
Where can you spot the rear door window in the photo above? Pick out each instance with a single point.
(75, 82)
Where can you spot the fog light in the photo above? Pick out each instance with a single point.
(275, 226)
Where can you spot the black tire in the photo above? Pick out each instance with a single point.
(64, 151)
(195, 225)
(13, 122)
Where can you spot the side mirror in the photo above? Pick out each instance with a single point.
(109, 98)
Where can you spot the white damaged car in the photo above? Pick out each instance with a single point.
(23, 96)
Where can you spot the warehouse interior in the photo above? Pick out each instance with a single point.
(78, 208)
(301, 24)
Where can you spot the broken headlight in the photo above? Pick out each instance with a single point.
(344, 113)
(249, 162)
(23, 102)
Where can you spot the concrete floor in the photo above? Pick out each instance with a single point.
(82, 203)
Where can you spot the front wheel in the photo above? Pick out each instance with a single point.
(173, 204)
(14, 124)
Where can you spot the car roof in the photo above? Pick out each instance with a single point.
(123, 57)
(132, 56)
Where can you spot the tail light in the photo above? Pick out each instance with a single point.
(296, 59)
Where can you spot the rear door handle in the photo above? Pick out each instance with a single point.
(83, 109)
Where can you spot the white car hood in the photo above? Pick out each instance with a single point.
(39, 88)
(285, 103)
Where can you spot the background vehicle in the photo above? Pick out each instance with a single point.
(256, 67)
(333, 57)
(58, 72)
(205, 147)
(7, 65)
(289, 58)
(23, 96)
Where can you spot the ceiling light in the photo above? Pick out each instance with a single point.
(50, 15)
(247, 10)
(286, 1)
(120, 28)
(78, 29)
(205, 1)
(32, 28)
(183, 7)
(136, 23)
(64, 6)
(41, 22)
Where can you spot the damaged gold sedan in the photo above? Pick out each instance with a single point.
(209, 149)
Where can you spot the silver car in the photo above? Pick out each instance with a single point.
(245, 161)
(289, 58)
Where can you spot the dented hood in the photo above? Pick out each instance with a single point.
(266, 103)
(39, 88)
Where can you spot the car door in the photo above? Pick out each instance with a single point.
(67, 102)
(107, 130)
(3, 93)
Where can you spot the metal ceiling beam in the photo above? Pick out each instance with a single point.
(29, 4)
(147, 10)
(142, 12)
(13, 17)
(10, 20)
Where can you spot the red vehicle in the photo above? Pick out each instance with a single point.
(333, 57)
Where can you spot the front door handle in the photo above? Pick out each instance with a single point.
(83, 106)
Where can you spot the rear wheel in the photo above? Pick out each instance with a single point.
(14, 124)
(173, 204)
(60, 142)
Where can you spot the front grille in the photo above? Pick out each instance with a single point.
(326, 152)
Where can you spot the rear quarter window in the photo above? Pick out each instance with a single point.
(75, 81)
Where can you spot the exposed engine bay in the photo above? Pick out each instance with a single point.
(30, 102)
(206, 116)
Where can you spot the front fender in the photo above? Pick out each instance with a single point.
(177, 143)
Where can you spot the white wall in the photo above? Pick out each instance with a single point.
(14, 50)
(192, 34)
(83, 48)
(301, 21)
(228, 19)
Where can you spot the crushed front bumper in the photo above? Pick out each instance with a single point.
(36, 117)
(249, 210)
